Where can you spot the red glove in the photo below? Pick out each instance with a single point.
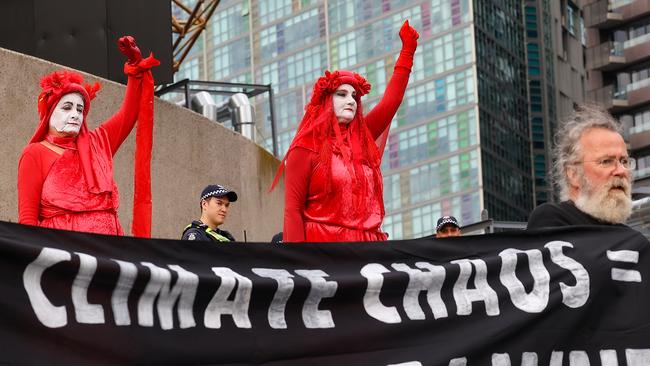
(128, 47)
(409, 37)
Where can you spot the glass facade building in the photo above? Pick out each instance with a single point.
(459, 143)
(541, 88)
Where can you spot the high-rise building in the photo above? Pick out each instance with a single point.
(555, 47)
(460, 142)
(503, 103)
(618, 63)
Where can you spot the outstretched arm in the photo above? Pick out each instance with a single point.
(121, 123)
(379, 118)
(297, 177)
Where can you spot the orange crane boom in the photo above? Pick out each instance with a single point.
(188, 30)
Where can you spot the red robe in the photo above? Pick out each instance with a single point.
(52, 189)
(310, 213)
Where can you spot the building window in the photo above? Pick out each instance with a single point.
(439, 95)
(442, 178)
(438, 137)
(641, 120)
(531, 22)
(189, 70)
(288, 109)
(268, 74)
(231, 59)
(227, 23)
(270, 10)
(570, 19)
(375, 73)
(393, 226)
(306, 66)
(635, 34)
(392, 192)
(642, 167)
(290, 35)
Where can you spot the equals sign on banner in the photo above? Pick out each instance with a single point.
(624, 256)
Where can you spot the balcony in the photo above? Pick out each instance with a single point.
(601, 15)
(618, 100)
(607, 56)
(606, 14)
(639, 140)
(637, 49)
(611, 56)
(631, 10)
(636, 94)
(608, 98)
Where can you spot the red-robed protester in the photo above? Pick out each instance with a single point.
(333, 181)
(65, 173)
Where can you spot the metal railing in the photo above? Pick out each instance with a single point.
(604, 95)
(642, 173)
(614, 4)
(188, 88)
(599, 56)
(640, 218)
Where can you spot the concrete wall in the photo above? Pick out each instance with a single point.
(189, 152)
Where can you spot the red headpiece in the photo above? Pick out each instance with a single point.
(54, 86)
(60, 83)
(319, 130)
(327, 84)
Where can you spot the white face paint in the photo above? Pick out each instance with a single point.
(345, 106)
(67, 116)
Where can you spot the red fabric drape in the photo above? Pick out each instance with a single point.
(141, 223)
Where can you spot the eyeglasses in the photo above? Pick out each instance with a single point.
(628, 163)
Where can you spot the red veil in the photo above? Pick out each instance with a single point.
(320, 132)
(96, 167)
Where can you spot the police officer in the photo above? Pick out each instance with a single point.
(215, 200)
(447, 226)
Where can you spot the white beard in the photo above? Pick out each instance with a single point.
(609, 206)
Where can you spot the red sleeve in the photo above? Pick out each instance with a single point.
(379, 118)
(30, 185)
(297, 176)
(121, 123)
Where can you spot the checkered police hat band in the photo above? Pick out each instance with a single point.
(447, 221)
(218, 193)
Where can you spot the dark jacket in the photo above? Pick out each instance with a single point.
(561, 214)
(202, 232)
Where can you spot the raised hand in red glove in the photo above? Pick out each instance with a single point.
(130, 49)
(409, 37)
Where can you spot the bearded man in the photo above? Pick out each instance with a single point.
(593, 172)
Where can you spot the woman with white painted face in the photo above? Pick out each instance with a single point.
(65, 173)
(333, 182)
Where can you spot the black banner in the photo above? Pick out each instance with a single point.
(573, 296)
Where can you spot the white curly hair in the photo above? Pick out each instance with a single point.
(567, 147)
